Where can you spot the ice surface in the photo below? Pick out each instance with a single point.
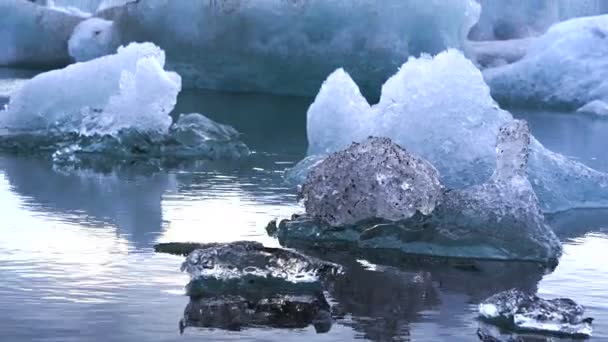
(93, 38)
(240, 45)
(440, 109)
(374, 179)
(517, 310)
(240, 259)
(565, 68)
(508, 19)
(500, 219)
(127, 90)
(34, 35)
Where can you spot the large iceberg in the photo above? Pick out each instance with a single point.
(456, 132)
(509, 19)
(566, 68)
(34, 35)
(287, 46)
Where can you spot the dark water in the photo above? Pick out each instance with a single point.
(76, 262)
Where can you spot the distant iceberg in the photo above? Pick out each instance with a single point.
(440, 109)
(280, 46)
(512, 19)
(566, 68)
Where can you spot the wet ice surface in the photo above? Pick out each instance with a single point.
(76, 258)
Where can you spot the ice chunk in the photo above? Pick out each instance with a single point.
(495, 53)
(596, 107)
(517, 310)
(565, 68)
(33, 35)
(93, 38)
(500, 219)
(127, 90)
(374, 179)
(508, 19)
(239, 259)
(240, 45)
(456, 131)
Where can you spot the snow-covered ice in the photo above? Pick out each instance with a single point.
(566, 68)
(440, 109)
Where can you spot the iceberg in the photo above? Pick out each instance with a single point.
(376, 178)
(514, 309)
(509, 19)
(240, 45)
(564, 69)
(499, 219)
(456, 132)
(33, 35)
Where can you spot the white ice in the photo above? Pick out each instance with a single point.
(93, 38)
(289, 46)
(440, 109)
(126, 90)
(566, 68)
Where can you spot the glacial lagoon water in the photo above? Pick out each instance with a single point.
(77, 264)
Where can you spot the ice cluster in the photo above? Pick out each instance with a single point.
(509, 19)
(376, 178)
(499, 219)
(514, 309)
(566, 68)
(240, 45)
(441, 110)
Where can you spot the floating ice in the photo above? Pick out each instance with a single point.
(33, 35)
(500, 219)
(596, 107)
(456, 131)
(374, 179)
(495, 53)
(566, 68)
(517, 310)
(127, 90)
(240, 259)
(93, 38)
(240, 45)
(508, 19)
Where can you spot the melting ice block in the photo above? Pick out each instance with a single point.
(499, 219)
(126, 90)
(240, 45)
(440, 109)
(517, 310)
(566, 68)
(374, 179)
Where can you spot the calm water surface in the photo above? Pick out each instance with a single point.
(76, 259)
